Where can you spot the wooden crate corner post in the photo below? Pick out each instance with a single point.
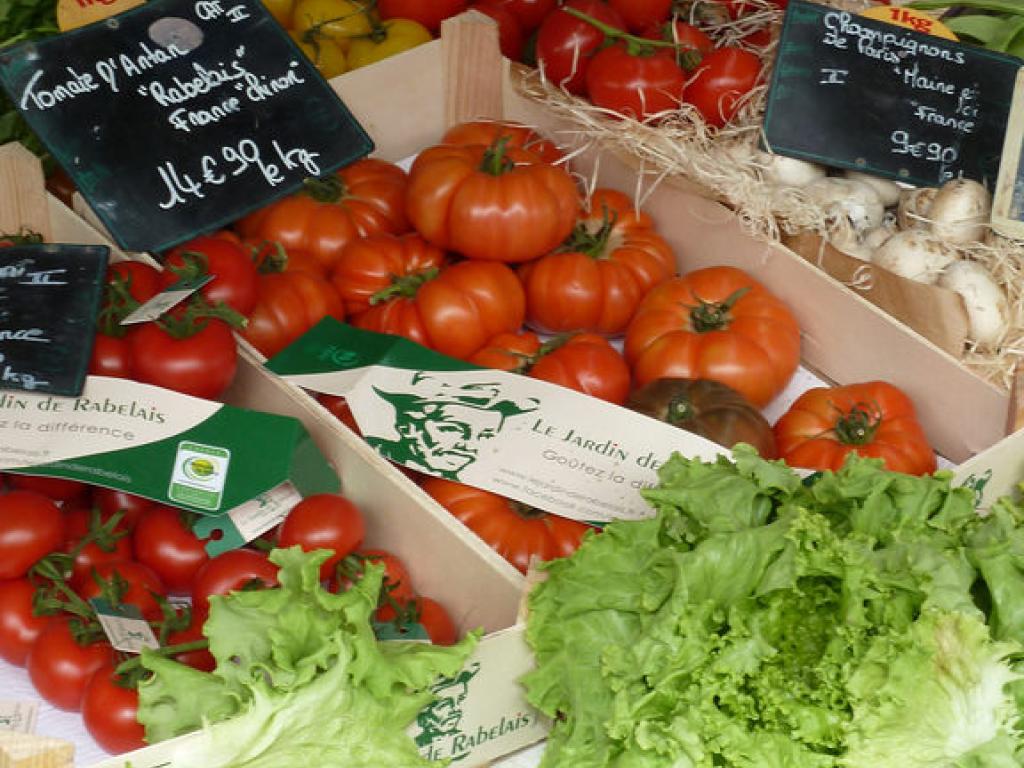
(474, 69)
(23, 200)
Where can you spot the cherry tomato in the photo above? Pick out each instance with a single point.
(165, 543)
(31, 526)
(637, 86)
(104, 548)
(720, 82)
(144, 586)
(60, 668)
(436, 621)
(19, 626)
(429, 13)
(235, 279)
(530, 13)
(397, 582)
(201, 365)
(56, 488)
(692, 43)
(640, 14)
(324, 521)
(565, 44)
(141, 279)
(234, 570)
(111, 500)
(510, 31)
(110, 712)
(111, 356)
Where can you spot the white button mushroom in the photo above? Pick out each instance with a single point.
(987, 309)
(853, 199)
(960, 212)
(915, 255)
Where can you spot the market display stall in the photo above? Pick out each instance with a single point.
(483, 339)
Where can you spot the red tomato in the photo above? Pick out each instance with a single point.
(518, 135)
(720, 82)
(584, 362)
(637, 86)
(715, 323)
(738, 8)
(60, 668)
(324, 521)
(111, 356)
(339, 406)
(435, 620)
(234, 570)
(429, 13)
(19, 626)
(201, 365)
(397, 582)
(31, 526)
(141, 280)
(111, 500)
(687, 38)
(143, 586)
(517, 532)
(497, 202)
(875, 419)
(640, 14)
(110, 712)
(200, 659)
(164, 542)
(565, 44)
(510, 31)
(235, 279)
(530, 13)
(104, 548)
(56, 488)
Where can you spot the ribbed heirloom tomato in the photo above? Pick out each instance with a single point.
(372, 269)
(584, 362)
(716, 323)
(514, 530)
(455, 311)
(365, 197)
(824, 425)
(494, 202)
(488, 131)
(597, 279)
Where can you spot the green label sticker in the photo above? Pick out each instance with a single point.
(388, 630)
(124, 626)
(200, 472)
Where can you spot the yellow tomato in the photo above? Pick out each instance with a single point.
(322, 51)
(389, 38)
(339, 20)
(281, 10)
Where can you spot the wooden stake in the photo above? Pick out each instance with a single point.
(473, 68)
(23, 203)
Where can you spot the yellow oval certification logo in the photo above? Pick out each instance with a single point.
(199, 468)
(911, 19)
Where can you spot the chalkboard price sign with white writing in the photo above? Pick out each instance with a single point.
(853, 92)
(180, 116)
(49, 299)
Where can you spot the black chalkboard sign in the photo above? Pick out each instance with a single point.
(857, 93)
(180, 116)
(49, 299)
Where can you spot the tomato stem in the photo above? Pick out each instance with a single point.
(194, 266)
(859, 425)
(525, 511)
(679, 410)
(635, 46)
(198, 312)
(404, 286)
(135, 662)
(495, 161)
(329, 189)
(592, 244)
(714, 315)
(118, 303)
(23, 236)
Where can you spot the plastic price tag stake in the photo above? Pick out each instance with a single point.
(124, 626)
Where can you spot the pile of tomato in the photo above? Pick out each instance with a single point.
(63, 542)
(486, 250)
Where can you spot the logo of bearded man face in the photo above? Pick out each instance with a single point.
(442, 427)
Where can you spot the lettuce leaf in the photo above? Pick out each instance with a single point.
(300, 679)
(759, 619)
